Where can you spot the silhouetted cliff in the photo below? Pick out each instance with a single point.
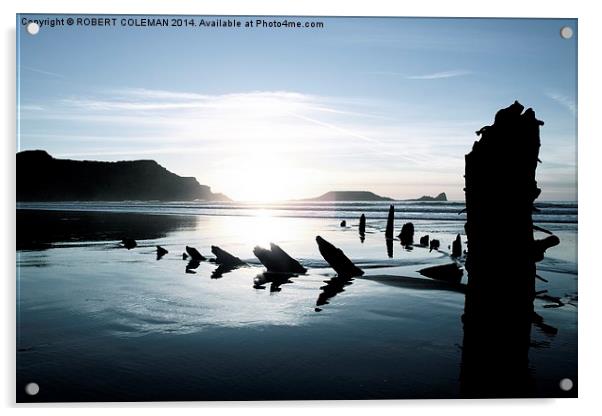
(40, 177)
(349, 196)
(441, 197)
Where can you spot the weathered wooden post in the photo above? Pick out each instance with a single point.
(390, 223)
(457, 247)
(407, 234)
(362, 227)
(500, 191)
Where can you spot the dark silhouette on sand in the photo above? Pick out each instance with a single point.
(226, 262)
(451, 273)
(161, 252)
(457, 247)
(424, 240)
(194, 254)
(497, 337)
(406, 236)
(362, 228)
(276, 260)
(434, 245)
(222, 257)
(390, 223)
(40, 177)
(129, 243)
(337, 259)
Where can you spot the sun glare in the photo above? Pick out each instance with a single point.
(263, 176)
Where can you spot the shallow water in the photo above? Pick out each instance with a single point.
(99, 322)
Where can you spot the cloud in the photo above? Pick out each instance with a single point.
(564, 101)
(330, 134)
(256, 115)
(43, 72)
(441, 75)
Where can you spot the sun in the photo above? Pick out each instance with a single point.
(263, 177)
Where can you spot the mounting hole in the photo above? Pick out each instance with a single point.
(32, 389)
(33, 28)
(566, 384)
(566, 32)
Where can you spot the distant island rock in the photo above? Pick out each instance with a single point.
(441, 197)
(40, 177)
(349, 196)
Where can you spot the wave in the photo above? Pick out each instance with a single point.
(549, 212)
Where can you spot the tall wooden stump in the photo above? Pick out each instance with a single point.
(362, 227)
(390, 223)
(500, 191)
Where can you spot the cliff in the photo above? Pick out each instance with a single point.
(349, 196)
(441, 197)
(40, 177)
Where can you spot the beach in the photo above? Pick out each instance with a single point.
(86, 305)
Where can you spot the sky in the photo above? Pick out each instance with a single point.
(388, 105)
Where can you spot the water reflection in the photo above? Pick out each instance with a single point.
(261, 228)
(389, 247)
(40, 229)
(192, 266)
(333, 287)
(274, 279)
(222, 269)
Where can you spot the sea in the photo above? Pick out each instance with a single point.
(99, 322)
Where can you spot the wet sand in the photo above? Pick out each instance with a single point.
(99, 322)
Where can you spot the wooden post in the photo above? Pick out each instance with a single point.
(390, 221)
(362, 227)
(457, 247)
(500, 191)
(337, 259)
(407, 234)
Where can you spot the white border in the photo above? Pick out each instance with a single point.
(590, 70)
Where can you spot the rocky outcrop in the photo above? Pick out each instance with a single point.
(439, 198)
(334, 196)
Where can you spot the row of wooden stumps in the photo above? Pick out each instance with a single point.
(406, 236)
(498, 313)
(276, 260)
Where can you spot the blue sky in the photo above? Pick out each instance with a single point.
(388, 105)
